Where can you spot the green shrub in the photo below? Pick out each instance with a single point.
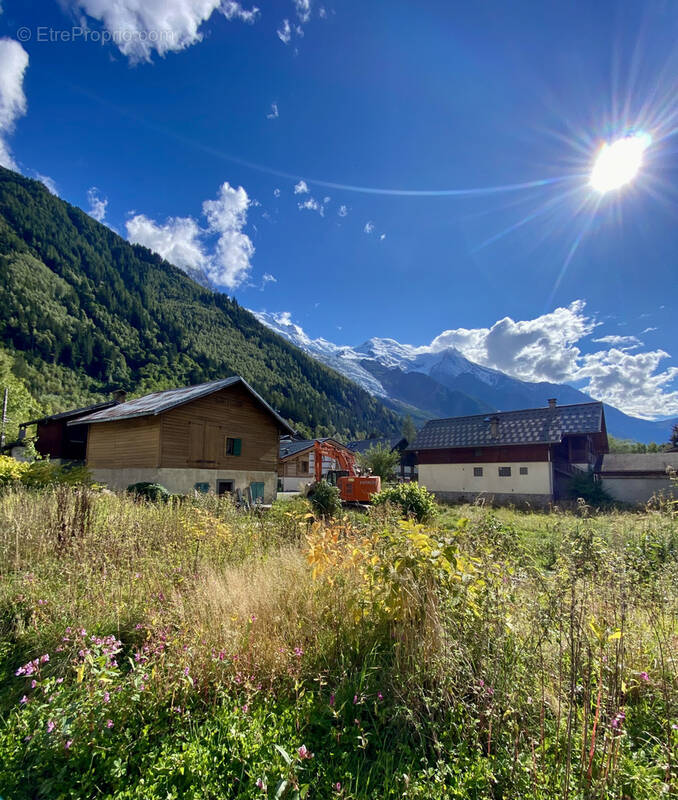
(11, 470)
(380, 460)
(325, 499)
(155, 492)
(413, 500)
(41, 473)
(584, 485)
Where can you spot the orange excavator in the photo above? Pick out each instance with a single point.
(353, 488)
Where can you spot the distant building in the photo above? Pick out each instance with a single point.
(635, 477)
(511, 456)
(219, 436)
(408, 460)
(296, 459)
(60, 437)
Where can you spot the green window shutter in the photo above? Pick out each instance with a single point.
(237, 447)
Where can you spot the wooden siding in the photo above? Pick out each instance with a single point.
(290, 467)
(126, 443)
(470, 455)
(194, 435)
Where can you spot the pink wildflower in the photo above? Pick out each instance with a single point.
(50, 726)
(107, 697)
(68, 744)
(337, 787)
(332, 701)
(298, 652)
(23, 700)
(380, 696)
(109, 723)
(304, 752)
(245, 708)
(34, 683)
(644, 676)
(261, 785)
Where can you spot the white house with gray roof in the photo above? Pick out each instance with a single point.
(522, 457)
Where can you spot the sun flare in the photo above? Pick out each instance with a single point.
(617, 163)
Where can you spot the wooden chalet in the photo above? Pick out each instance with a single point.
(219, 436)
(296, 458)
(61, 437)
(524, 456)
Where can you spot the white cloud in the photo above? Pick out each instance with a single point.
(650, 330)
(227, 216)
(50, 183)
(343, 211)
(183, 242)
(97, 204)
(540, 349)
(273, 113)
(632, 382)
(311, 204)
(179, 240)
(285, 32)
(369, 227)
(13, 64)
(276, 193)
(141, 27)
(301, 188)
(267, 278)
(614, 339)
(382, 237)
(326, 199)
(547, 349)
(303, 8)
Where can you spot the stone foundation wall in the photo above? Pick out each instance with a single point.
(183, 481)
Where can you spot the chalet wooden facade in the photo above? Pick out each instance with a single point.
(60, 437)
(524, 456)
(219, 436)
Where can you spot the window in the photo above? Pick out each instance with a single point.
(303, 467)
(233, 447)
(477, 472)
(523, 470)
(504, 472)
(225, 487)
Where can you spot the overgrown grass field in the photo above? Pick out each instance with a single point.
(188, 650)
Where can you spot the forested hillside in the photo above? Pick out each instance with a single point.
(82, 311)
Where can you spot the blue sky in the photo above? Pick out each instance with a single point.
(192, 129)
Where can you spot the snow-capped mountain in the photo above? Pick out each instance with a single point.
(429, 383)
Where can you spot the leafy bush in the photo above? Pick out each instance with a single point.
(413, 500)
(11, 470)
(155, 492)
(41, 473)
(325, 499)
(584, 485)
(380, 460)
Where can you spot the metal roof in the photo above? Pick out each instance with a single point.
(638, 463)
(76, 412)
(363, 445)
(530, 426)
(157, 402)
(294, 447)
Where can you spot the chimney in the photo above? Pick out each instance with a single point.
(494, 427)
(119, 396)
(552, 402)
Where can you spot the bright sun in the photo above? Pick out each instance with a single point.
(618, 162)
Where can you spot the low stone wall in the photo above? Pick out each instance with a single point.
(512, 499)
(183, 481)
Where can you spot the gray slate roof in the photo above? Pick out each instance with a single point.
(363, 445)
(638, 462)
(531, 426)
(76, 412)
(157, 402)
(292, 447)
